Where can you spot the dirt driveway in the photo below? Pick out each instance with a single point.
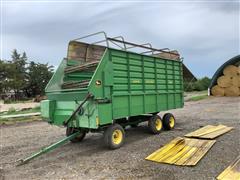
(91, 160)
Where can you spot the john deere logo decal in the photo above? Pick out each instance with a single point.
(98, 82)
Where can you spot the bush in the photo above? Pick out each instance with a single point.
(199, 85)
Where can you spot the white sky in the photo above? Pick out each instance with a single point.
(205, 33)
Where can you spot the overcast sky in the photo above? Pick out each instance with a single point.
(205, 33)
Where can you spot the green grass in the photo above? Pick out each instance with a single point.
(10, 121)
(17, 101)
(196, 92)
(197, 98)
(12, 111)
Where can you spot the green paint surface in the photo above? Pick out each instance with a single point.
(131, 84)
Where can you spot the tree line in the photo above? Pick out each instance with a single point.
(22, 78)
(199, 85)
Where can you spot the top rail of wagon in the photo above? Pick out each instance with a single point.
(125, 45)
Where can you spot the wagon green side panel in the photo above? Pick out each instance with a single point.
(47, 108)
(63, 109)
(68, 95)
(55, 82)
(123, 84)
(98, 82)
(105, 113)
(89, 117)
(144, 84)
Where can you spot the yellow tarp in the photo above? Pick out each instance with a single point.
(182, 151)
(209, 132)
(232, 172)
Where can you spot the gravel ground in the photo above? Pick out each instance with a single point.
(91, 160)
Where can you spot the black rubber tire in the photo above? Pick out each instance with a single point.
(152, 124)
(79, 138)
(108, 134)
(134, 125)
(167, 121)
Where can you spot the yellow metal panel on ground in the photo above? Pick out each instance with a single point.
(232, 172)
(209, 132)
(182, 151)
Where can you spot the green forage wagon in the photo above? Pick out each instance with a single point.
(105, 86)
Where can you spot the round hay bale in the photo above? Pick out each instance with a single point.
(230, 70)
(235, 81)
(217, 91)
(224, 81)
(231, 91)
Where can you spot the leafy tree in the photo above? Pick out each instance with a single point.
(199, 85)
(18, 68)
(2, 76)
(38, 76)
(25, 79)
(202, 84)
(7, 70)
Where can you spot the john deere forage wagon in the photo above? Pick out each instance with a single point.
(98, 88)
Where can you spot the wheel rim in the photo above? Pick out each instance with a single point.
(117, 136)
(158, 124)
(171, 122)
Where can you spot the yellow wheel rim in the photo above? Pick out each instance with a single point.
(171, 122)
(158, 124)
(117, 136)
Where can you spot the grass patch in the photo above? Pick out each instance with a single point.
(10, 121)
(9, 101)
(197, 98)
(196, 92)
(13, 111)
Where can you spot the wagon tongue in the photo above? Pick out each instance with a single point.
(47, 149)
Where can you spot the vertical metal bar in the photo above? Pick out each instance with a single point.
(105, 35)
(143, 84)
(182, 88)
(156, 84)
(110, 58)
(86, 57)
(166, 82)
(129, 85)
(174, 84)
(123, 41)
(116, 44)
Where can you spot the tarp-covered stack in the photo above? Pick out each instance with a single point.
(229, 83)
